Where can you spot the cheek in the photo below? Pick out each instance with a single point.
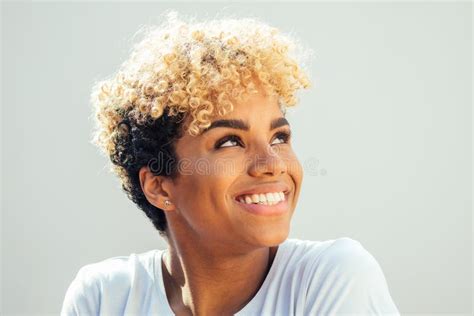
(207, 185)
(294, 167)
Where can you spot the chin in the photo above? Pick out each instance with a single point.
(271, 237)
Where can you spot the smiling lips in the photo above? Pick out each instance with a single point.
(264, 207)
(266, 194)
(267, 198)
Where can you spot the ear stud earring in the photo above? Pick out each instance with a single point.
(167, 203)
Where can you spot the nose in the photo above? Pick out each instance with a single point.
(267, 161)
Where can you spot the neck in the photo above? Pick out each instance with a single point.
(195, 275)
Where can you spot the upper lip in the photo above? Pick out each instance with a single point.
(266, 188)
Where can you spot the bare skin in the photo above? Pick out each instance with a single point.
(219, 254)
(175, 293)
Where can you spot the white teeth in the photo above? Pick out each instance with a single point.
(282, 196)
(270, 198)
(276, 198)
(255, 198)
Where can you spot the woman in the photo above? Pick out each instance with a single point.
(194, 123)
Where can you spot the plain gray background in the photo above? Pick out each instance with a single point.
(384, 136)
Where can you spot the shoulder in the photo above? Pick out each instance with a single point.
(349, 255)
(117, 270)
(344, 257)
(330, 253)
(344, 253)
(111, 277)
(346, 278)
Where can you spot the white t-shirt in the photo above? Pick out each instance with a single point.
(332, 277)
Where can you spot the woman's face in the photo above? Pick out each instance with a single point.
(217, 166)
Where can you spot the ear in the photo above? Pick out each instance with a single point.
(156, 189)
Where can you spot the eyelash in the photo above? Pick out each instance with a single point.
(285, 136)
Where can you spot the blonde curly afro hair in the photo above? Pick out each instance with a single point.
(182, 71)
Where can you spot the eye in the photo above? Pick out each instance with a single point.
(227, 139)
(284, 136)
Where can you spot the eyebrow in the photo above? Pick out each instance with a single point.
(239, 124)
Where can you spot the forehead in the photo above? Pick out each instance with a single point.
(255, 103)
(253, 109)
(258, 110)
